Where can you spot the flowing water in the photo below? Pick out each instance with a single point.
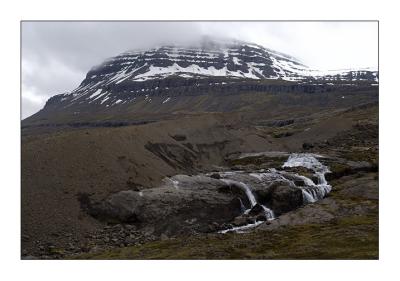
(311, 191)
(245, 188)
(269, 214)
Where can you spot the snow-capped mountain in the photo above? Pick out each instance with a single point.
(210, 66)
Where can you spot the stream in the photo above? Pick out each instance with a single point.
(311, 191)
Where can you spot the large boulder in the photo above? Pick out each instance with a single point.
(281, 197)
(256, 210)
(180, 205)
(240, 220)
(285, 198)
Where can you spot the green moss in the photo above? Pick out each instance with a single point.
(354, 237)
(56, 251)
(338, 168)
(361, 155)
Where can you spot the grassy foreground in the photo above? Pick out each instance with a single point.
(354, 237)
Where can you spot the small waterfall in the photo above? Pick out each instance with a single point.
(269, 214)
(306, 180)
(321, 178)
(312, 192)
(242, 207)
(245, 188)
(307, 197)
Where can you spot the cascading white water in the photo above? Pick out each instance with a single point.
(242, 207)
(307, 198)
(269, 214)
(312, 192)
(245, 188)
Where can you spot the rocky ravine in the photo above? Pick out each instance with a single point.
(222, 201)
(204, 203)
(342, 225)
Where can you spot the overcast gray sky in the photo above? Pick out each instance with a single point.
(57, 55)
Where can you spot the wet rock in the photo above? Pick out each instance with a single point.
(241, 220)
(285, 198)
(226, 226)
(215, 176)
(261, 217)
(299, 182)
(315, 179)
(256, 210)
(264, 195)
(214, 227)
(301, 171)
(251, 220)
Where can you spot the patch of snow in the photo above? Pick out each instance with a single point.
(101, 95)
(236, 61)
(95, 93)
(104, 100)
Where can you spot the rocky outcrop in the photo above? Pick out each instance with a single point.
(204, 203)
(200, 203)
(343, 168)
(182, 204)
(284, 198)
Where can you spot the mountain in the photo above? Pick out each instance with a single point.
(150, 81)
(159, 152)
